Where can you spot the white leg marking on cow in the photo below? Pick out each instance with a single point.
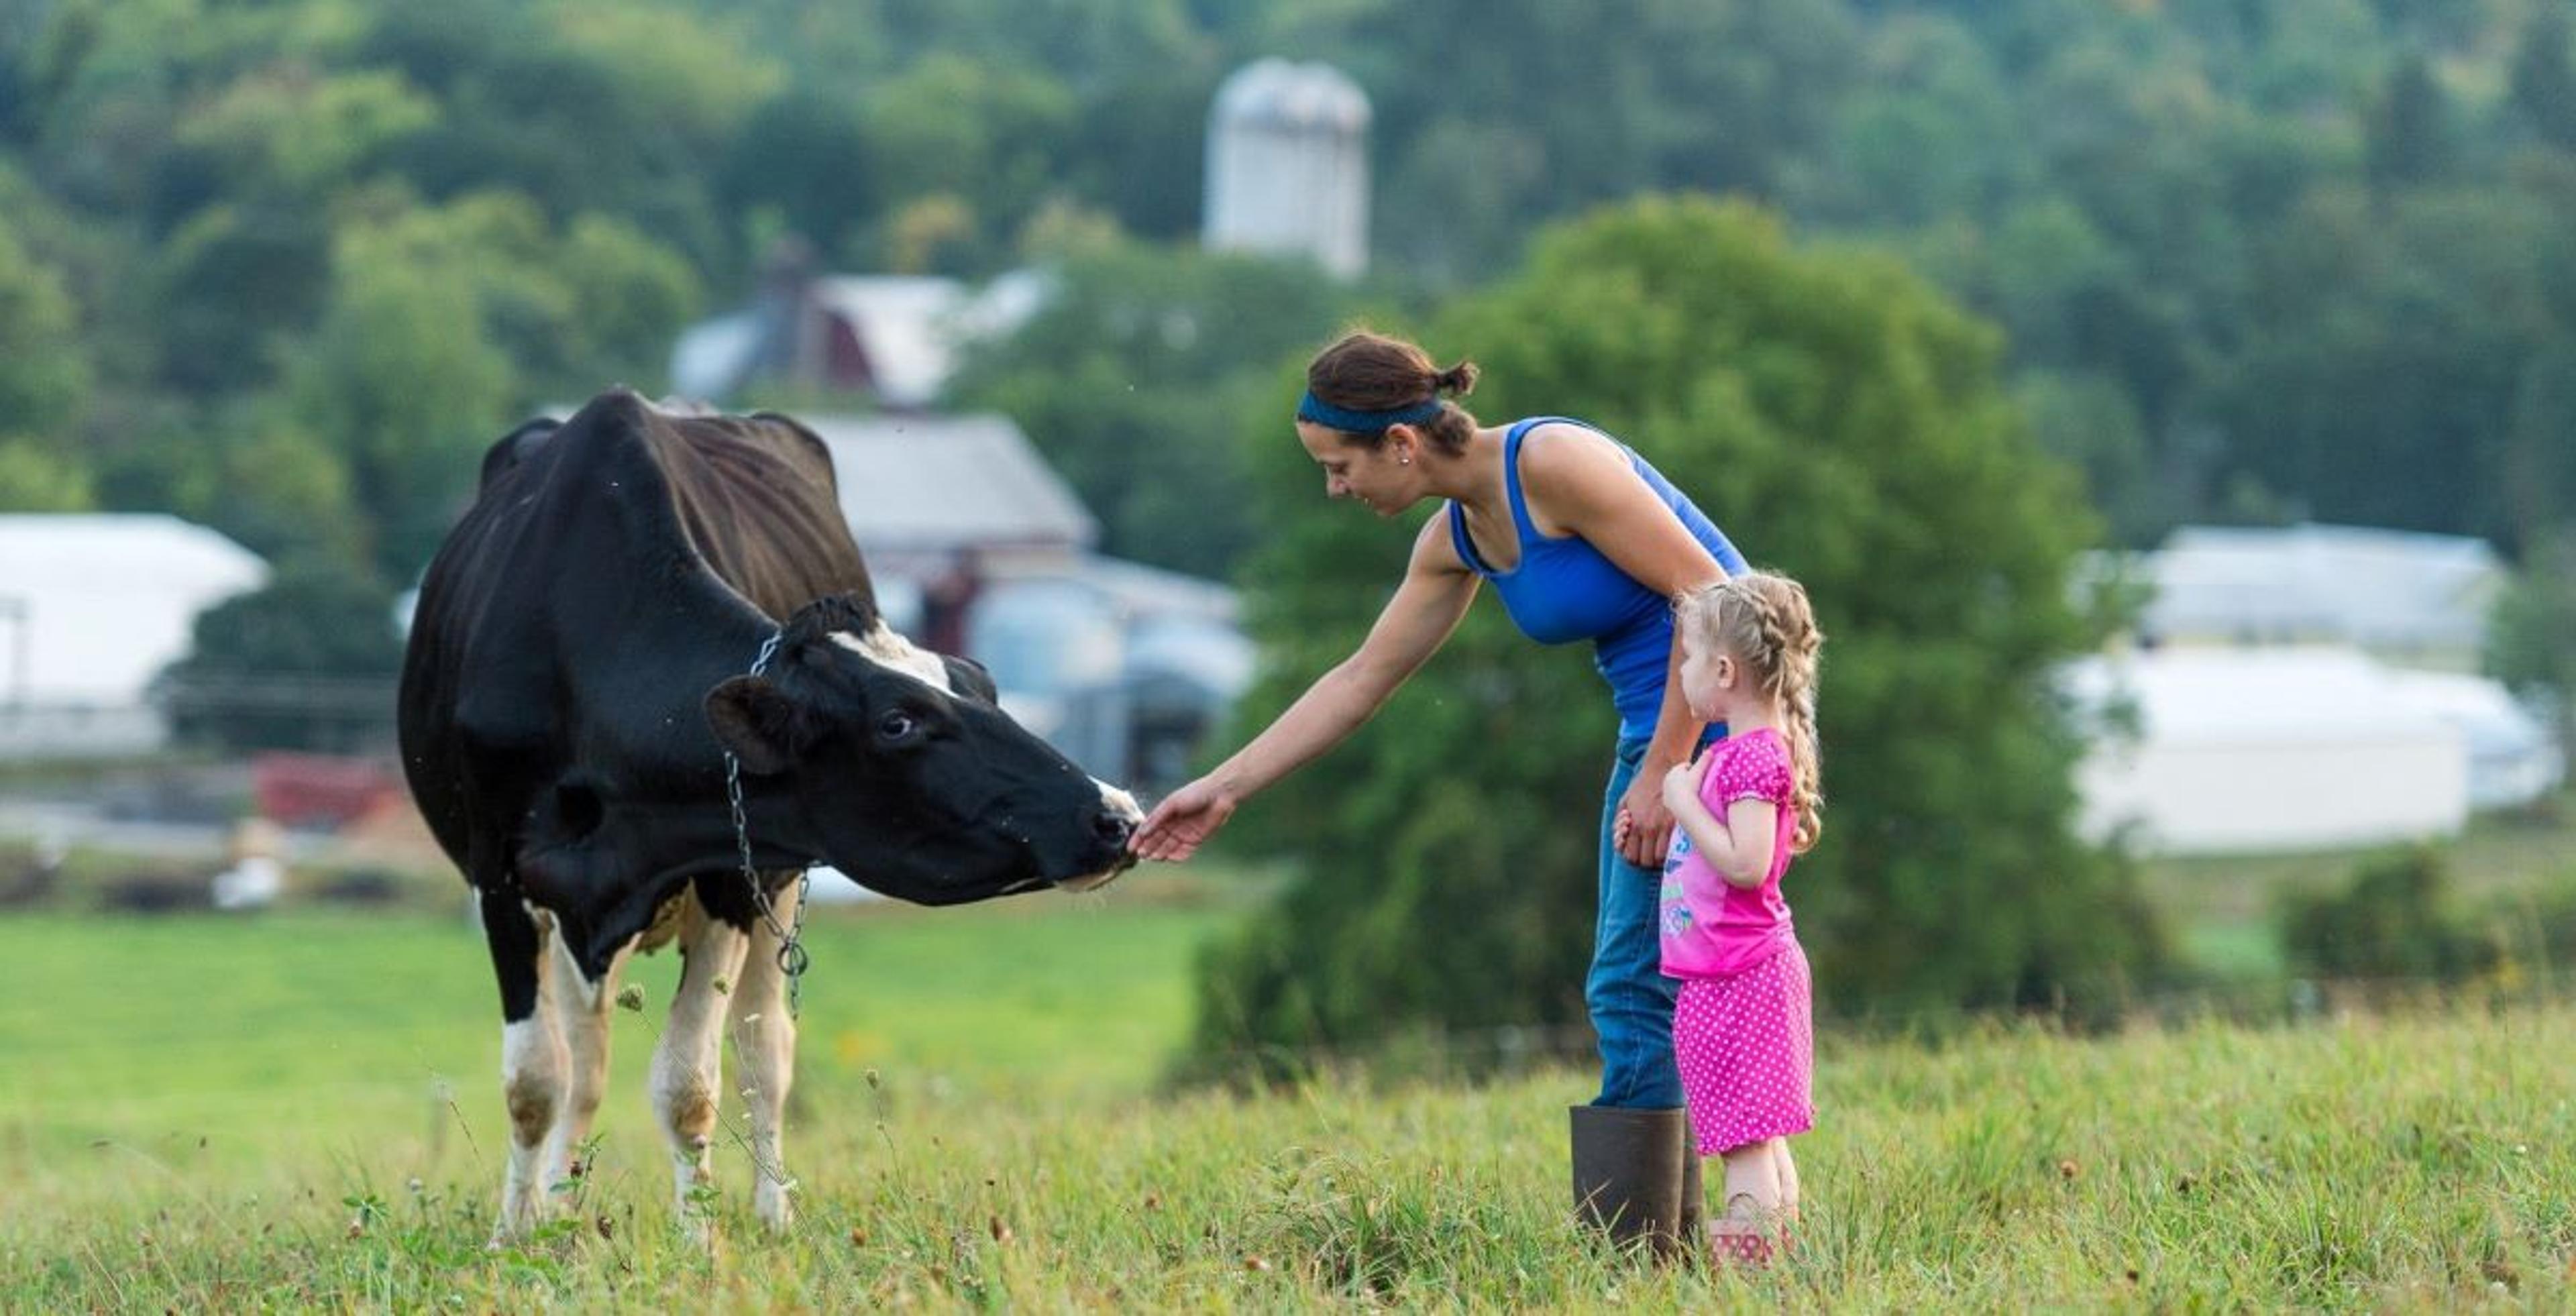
(764, 1037)
(533, 1073)
(581, 1011)
(883, 646)
(687, 1081)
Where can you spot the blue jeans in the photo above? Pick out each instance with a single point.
(1630, 999)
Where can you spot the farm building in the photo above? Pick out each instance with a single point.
(1287, 165)
(978, 547)
(894, 339)
(2200, 751)
(92, 607)
(2415, 600)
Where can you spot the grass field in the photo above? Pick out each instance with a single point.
(2222, 908)
(300, 1112)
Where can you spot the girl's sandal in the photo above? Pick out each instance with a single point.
(1751, 1249)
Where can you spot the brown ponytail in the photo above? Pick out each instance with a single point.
(1365, 371)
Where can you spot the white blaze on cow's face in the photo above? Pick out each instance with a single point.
(1120, 805)
(887, 649)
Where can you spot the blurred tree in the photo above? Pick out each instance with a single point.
(2384, 350)
(1839, 418)
(2396, 922)
(805, 153)
(1137, 356)
(2089, 422)
(991, 136)
(306, 663)
(2544, 77)
(35, 477)
(43, 377)
(403, 377)
(2531, 644)
(444, 321)
(2409, 128)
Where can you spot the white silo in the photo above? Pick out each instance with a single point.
(1287, 165)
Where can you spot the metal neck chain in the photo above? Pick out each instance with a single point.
(791, 939)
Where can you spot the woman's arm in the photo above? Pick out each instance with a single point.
(1425, 610)
(1581, 482)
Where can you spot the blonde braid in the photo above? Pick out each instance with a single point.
(1766, 621)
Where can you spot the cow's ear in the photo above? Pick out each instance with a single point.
(968, 677)
(756, 721)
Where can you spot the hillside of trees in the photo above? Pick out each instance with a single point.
(283, 266)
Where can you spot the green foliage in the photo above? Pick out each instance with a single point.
(305, 663)
(43, 377)
(2287, 260)
(2397, 921)
(2531, 641)
(1128, 376)
(36, 478)
(1844, 423)
(442, 318)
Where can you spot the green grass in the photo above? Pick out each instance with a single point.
(2222, 908)
(215, 1115)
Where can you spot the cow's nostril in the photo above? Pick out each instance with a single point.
(1113, 828)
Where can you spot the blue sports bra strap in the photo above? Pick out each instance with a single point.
(1458, 539)
(1521, 524)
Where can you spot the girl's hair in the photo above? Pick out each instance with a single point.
(1366, 371)
(1764, 622)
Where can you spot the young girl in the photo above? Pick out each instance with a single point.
(1741, 1028)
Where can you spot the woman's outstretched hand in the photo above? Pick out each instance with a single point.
(1182, 822)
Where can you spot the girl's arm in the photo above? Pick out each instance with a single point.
(1426, 608)
(1744, 862)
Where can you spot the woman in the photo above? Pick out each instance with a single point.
(1584, 540)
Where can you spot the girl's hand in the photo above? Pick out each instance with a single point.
(1681, 785)
(1183, 821)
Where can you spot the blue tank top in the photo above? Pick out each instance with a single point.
(1565, 590)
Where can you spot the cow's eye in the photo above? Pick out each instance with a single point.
(897, 725)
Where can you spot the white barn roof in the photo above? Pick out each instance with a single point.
(2381, 589)
(100, 603)
(938, 483)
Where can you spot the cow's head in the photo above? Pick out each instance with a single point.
(913, 778)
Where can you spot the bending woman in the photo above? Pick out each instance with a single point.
(1584, 540)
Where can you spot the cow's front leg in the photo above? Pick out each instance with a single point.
(580, 1009)
(687, 1080)
(765, 1038)
(533, 1063)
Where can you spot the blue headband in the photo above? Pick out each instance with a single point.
(1313, 408)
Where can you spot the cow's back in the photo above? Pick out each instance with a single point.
(758, 499)
(585, 549)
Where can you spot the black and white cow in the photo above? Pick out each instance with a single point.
(578, 667)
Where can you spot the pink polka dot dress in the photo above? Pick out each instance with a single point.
(1743, 1027)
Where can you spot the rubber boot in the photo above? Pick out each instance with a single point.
(1694, 1226)
(1629, 1173)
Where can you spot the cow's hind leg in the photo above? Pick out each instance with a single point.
(580, 1009)
(687, 1082)
(765, 1038)
(534, 1067)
